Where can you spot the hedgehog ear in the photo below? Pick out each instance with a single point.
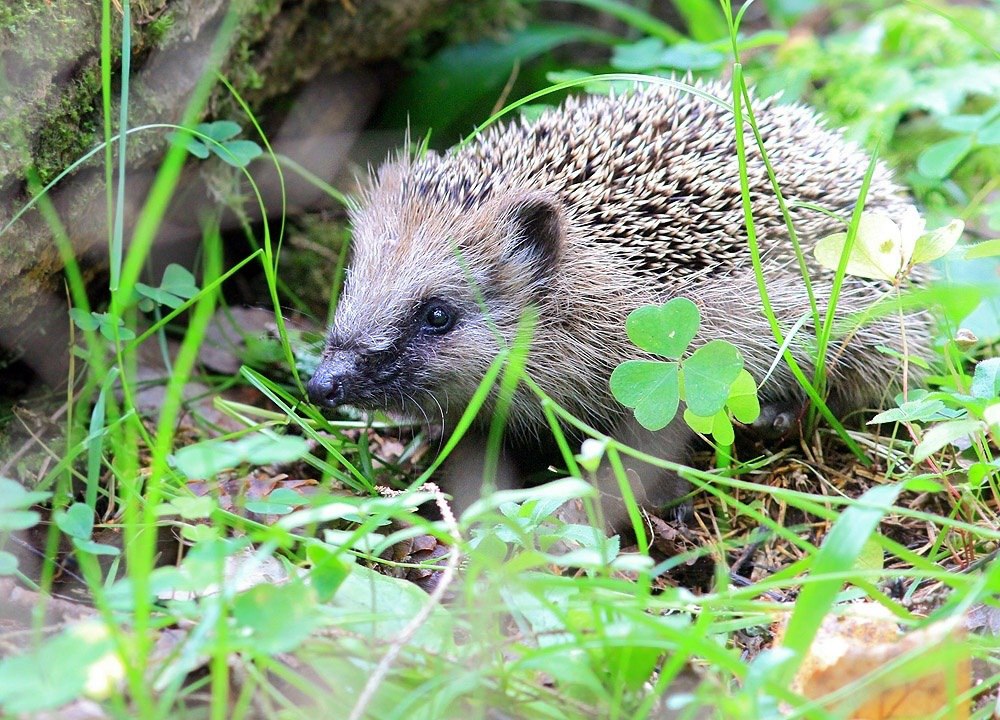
(534, 232)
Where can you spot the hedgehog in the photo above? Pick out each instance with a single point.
(580, 216)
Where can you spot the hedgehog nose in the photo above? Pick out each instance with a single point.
(327, 388)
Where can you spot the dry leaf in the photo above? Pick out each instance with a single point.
(911, 675)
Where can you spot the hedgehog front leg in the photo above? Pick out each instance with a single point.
(462, 475)
(652, 486)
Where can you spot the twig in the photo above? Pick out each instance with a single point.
(382, 669)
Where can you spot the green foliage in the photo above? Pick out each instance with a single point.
(711, 380)
(885, 250)
(111, 327)
(920, 406)
(952, 417)
(438, 95)
(545, 618)
(264, 631)
(841, 548)
(15, 504)
(986, 380)
(973, 131)
(651, 388)
(16, 513)
(219, 138)
(740, 401)
(210, 457)
(651, 55)
(159, 27)
(531, 530)
(177, 286)
(708, 375)
(77, 523)
(70, 127)
(662, 57)
(923, 81)
(79, 660)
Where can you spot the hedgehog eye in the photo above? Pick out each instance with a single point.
(438, 317)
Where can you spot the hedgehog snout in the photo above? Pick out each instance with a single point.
(331, 383)
(359, 376)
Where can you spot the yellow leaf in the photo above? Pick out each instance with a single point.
(916, 675)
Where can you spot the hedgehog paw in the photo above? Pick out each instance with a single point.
(777, 419)
(678, 514)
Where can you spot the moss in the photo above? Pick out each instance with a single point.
(65, 112)
(57, 84)
(16, 13)
(67, 121)
(158, 28)
(50, 40)
(73, 129)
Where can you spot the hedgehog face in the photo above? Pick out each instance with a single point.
(392, 359)
(429, 300)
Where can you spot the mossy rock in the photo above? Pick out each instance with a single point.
(51, 105)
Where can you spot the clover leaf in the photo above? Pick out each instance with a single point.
(651, 388)
(666, 329)
(708, 375)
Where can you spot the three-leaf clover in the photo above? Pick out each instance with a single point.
(177, 286)
(109, 325)
(77, 523)
(711, 380)
(16, 514)
(219, 138)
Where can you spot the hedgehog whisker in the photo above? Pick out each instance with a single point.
(441, 435)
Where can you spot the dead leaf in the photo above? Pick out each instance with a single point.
(984, 618)
(912, 675)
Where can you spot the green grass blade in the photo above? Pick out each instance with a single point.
(314, 180)
(838, 553)
(211, 286)
(117, 242)
(271, 249)
(705, 22)
(356, 480)
(826, 329)
(783, 206)
(109, 198)
(739, 91)
(95, 444)
(577, 82)
(514, 371)
(72, 167)
(468, 417)
(169, 173)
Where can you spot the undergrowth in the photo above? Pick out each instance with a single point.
(253, 558)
